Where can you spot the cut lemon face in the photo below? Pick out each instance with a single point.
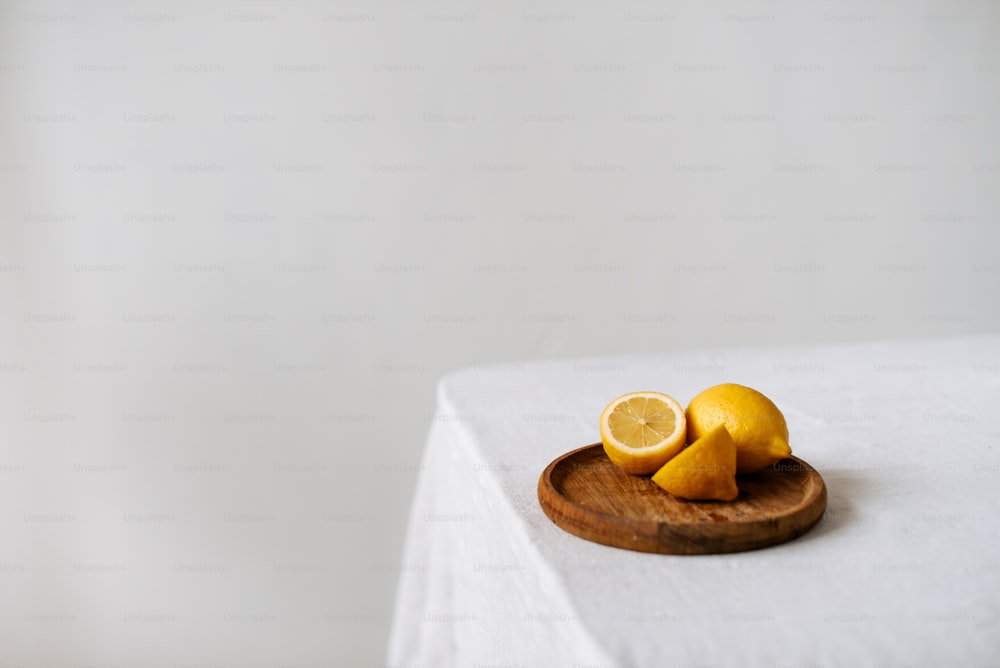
(641, 431)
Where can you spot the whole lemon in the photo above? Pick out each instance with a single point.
(757, 426)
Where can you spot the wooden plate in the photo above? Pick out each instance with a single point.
(587, 495)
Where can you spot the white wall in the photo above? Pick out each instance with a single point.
(240, 241)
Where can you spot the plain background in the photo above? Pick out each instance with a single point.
(241, 241)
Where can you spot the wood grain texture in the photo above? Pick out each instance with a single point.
(585, 494)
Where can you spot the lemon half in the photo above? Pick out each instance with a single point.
(704, 470)
(642, 430)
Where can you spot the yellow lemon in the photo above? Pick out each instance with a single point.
(757, 426)
(706, 469)
(642, 430)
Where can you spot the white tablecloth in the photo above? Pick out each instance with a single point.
(903, 570)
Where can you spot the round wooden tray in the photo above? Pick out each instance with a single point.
(585, 494)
